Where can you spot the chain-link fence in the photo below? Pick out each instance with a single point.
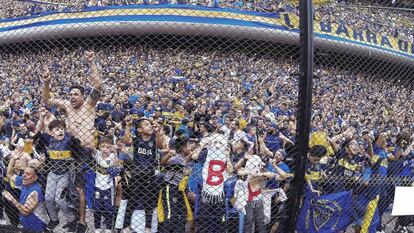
(361, 106)
(181, 116)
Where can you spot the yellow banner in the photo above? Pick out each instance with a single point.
(363, 37)
(315, 2)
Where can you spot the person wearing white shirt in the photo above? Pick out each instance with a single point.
(105, 184)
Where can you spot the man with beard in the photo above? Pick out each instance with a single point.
(80, 120)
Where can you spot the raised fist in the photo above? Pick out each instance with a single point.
(90, 56)
(46, 74)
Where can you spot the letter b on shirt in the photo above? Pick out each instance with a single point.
(215, 172)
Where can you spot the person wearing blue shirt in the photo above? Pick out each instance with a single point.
(315, 171)
(238, 151)
(144, 170)
(100, 120)
(107, 106)
(132, 99)
(282, 110)
(61, 154)
(273, 141)
(149, 110)
(118, 114)
(137, 111)
(277, 166)
(347, 166)
(380, 158)
(251, 133)
(8, 126)
(31, 203)
(183, 128)
(5, 125)
(277, 160)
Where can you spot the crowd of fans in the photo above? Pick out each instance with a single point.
(395, 23)
(152, 138)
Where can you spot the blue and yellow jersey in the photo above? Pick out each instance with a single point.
(168, 198)
(347, 167)
(379, 161)
(136, 113)
(314, 174)
(10, 185)
(61, 153)
(178, 116)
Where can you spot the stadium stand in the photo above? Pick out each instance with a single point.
(176, 138)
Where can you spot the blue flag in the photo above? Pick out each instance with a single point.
(325, 214)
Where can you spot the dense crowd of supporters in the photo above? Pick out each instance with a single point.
(171, 140)
(389, 22)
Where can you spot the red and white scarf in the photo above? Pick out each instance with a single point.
(214, 169)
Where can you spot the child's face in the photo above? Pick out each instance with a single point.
(58, 133)
(106, 148)
(314, 160)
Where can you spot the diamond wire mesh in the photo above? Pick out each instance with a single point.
(366, 128)
(181, 118)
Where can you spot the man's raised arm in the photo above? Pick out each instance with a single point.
(96, 79)
(46, 99)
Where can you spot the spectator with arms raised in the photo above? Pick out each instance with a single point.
(81, 118)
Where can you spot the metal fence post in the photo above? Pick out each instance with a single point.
(304, 111)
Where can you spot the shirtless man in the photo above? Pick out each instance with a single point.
(81, 116)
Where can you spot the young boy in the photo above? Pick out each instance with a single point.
(249, 197)
(315, 171)
(106, 179)
(61, 150)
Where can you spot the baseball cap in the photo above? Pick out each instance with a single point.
(282, 152)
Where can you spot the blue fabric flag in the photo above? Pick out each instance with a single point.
(325, 214)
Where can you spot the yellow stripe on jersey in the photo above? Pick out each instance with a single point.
(181, 188)
(344, 163)
(55, 155)
(375, 158)
(312, 176)
(160, 209)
